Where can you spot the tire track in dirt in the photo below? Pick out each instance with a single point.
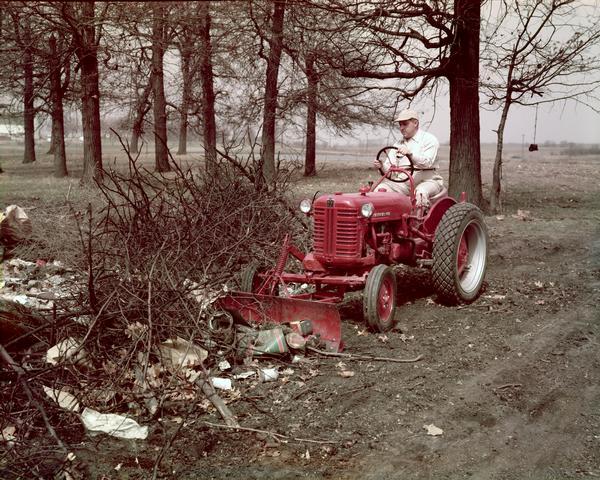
(535, 415)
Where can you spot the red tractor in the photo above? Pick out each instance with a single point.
(358, 237)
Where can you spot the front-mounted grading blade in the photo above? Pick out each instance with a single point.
(254, 308)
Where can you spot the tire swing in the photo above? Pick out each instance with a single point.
(533, 147)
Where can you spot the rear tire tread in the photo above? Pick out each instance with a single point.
(444, 252)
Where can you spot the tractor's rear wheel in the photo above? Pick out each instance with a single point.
(249, 279)
(460, 254)
(379, 298)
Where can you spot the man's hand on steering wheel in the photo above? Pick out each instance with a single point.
(385, 152)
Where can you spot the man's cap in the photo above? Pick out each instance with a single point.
(406, 115)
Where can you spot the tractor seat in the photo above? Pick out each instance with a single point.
(437, 196)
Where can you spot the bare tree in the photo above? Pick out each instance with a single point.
(339, 102)
(81, 21)
(140, 108)
(19, 42)
(312, 77)
(270, 104)
(537, 52)
(417, 43)
(158, 90)
(185, 39)
(28, 92)
(57, 92)
(208, 94)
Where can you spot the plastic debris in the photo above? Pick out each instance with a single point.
(433, 430)
(8, 435)
(244, 375)
(221, 383)
(69, 348)
(15, 225)
(115, 425)
(268, 374)
(224, 365)
(180, 353)
(64, 399)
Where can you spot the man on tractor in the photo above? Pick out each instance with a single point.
(419, 148)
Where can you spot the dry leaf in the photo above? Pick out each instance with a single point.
(64, 399)
(539, 284)
(346, 373)
(8, 434)
(383, 338)
(522, 215)
(433, 430)
(496, 297)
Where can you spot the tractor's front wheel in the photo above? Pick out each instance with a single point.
(460, 254)
(379, 298)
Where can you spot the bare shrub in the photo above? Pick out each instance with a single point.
(162, 247)
(153, 250)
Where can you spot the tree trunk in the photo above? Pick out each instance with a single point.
(28, 96)
(161, 158)
(51, 148)
(270, 107)
(135, 140)
(141, 109)
(186, 96)
(311, 117)
(208, 94)
(90, 96)
(58, 123)
(496, 196)
(465, 151)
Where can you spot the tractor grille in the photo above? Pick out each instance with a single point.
(336, 232)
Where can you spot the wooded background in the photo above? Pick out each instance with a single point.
(235, 73)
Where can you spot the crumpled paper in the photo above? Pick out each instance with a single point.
(113, 424)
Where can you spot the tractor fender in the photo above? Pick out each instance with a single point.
(435, 214)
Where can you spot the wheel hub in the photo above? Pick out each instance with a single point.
(384, 303)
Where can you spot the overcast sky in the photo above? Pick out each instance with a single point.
(558, 122)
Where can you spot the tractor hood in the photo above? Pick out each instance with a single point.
(387, 205)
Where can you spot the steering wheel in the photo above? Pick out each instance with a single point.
(390, 152)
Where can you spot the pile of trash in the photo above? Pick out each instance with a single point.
(176, 368)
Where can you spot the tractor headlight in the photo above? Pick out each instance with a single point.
(305, 206)
(367, 210)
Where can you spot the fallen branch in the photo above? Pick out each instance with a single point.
(4, 355)
(508, 385)
(218, 402)
(275, 435)
(350, 356)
